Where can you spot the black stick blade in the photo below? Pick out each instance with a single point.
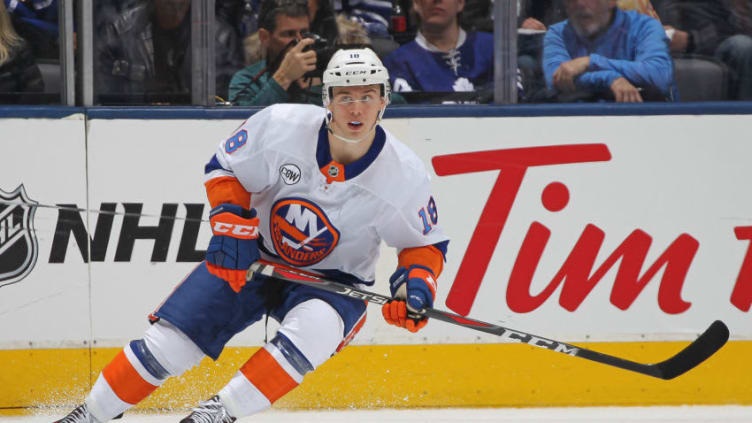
(695, 353)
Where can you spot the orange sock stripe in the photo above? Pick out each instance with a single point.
(236, 278)
(428, 256)
(226, 189)
(125, 381)
(268, 376)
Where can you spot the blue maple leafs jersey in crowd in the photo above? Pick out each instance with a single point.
(420, 66)
(374, 15)
(317, 214)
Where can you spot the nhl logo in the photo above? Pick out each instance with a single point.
(18, 242)
(333, 171)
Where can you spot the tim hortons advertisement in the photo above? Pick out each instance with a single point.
(613, 227)
(577, 228)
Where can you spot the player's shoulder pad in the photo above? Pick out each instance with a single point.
(294, 117)
(288, 113)
(274, 123)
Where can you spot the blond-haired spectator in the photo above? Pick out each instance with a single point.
(18, 71)
(253, 51)
(351, 31)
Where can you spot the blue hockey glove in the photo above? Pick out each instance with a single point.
(233, 247)
(413, 289)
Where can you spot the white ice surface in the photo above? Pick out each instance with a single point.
(684, 414)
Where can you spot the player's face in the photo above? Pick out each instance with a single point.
(355, 109)
(288, 28)
(589, 17)
(438, 13)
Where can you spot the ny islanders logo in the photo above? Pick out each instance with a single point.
(18, 242)
(301, 232)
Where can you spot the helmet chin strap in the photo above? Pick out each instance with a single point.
(352, 140)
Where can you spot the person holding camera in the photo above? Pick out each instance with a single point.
(284, 76)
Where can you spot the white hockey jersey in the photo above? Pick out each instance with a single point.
(317, 214)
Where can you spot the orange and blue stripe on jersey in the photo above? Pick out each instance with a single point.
(223, 188)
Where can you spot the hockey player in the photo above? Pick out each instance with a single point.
(326, 186)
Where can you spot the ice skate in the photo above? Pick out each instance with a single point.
(79, 414)
(209, 411)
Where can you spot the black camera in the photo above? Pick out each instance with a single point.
(324, 50)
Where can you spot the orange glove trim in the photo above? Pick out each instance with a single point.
(428, 256)
(226, 189)
(236, 278)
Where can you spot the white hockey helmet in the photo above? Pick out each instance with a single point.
(351, 67)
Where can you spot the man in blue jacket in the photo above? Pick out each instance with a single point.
(602, 49)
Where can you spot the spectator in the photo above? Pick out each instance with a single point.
(143, 54)
(19, 73)
(244, 15)
(252, 51)
(375, 17)
(442, 57)
(36, 22)
(602, 49)
(282, 78)
(279, 77)
(534, 18)
(351, 32)
(713, 28)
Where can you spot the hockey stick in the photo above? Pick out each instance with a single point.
(692, 355)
